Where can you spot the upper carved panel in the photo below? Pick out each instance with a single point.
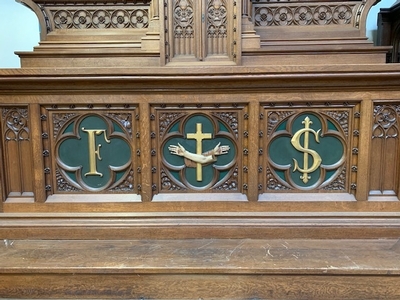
(99, 18)
(290, 14)
(214, 32)
(91, 14)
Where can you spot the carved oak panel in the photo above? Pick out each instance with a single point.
(384, 168)
(90, 149)
(17, 152)
(200, 30)
(198, 149)
(309, 147)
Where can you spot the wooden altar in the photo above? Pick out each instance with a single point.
(200, 150)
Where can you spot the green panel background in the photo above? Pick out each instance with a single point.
(282, 151)
(74, 152)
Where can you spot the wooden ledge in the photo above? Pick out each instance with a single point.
(199, 225)
(201, 268)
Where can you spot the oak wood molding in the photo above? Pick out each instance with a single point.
(199, 225)
(196, 79)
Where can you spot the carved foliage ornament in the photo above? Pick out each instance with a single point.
(184, 19)
(217, 21)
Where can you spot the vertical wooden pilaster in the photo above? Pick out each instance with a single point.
(145, 156)
(364, 150)
(37, 151)
(253, 151)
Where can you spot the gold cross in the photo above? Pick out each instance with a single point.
(199, 136)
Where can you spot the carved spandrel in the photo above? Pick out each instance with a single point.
(273, 183)
(275, 117)
(124, 119)
(166, 119)
(59, 119)
(339, 184)
(232, 119)
(167, 184)
(342, 118)
(231, 184)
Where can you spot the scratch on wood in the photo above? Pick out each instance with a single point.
(8, 243)
(352, 261)
(205, 245)
(237, 247)
(268, 250)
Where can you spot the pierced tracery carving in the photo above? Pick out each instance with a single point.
(63, 185)
(273, 183)
(268, 14)
(127, 185)
(124, 119)
(16, 121)
(59, 120)
(386, 125)
(230, 118)
(339, 184)
(274, 117)
(99, 18)
(167, 184)
(231, 184)
(166, 119)
(342, 117)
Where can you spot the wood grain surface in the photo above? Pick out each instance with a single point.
(201, 269)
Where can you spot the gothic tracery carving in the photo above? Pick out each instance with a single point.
(386, 125)
(99, 18)
(16, 120)
(267, 14)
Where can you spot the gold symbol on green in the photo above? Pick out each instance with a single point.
(93, 152)
(315, 156)
(199, 136)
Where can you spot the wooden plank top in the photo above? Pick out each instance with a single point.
(202, 256)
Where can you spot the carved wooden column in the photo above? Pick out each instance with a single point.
(151, 42)
(250, 39)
